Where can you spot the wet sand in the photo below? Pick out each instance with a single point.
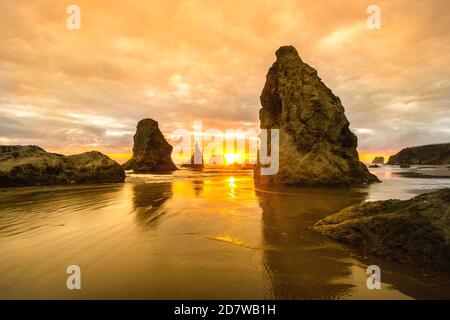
(430, 172)
(196, 235)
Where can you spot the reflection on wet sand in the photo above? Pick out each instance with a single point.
(33, 210)
(198, 186)
(148, 201)
(193, 235)
(304, 265)
(299, 266)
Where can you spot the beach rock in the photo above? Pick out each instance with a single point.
(378, 160)
(433, 154)
(196, 155)
(415, 231)
(32, 165)
(374, 166)
(151, 151)
(317, 147)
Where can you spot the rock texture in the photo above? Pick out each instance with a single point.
(378, 160)
(317, 147)
(416, 231)
(433, 154)
(151, 151)
(32, 165)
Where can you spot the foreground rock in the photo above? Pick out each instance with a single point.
(151, 151)
(317, 147)
(378, 160)
(32, 165)
(416, 231)
(433, 154)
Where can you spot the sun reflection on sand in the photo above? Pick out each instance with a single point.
(161, 227)
(231, 187)
(229, 239)
(231, 158)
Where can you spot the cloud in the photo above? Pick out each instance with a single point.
(181, 61)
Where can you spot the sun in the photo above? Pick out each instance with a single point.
(231, 158)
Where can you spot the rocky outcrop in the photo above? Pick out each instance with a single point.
(378, 160)
(151, 151)
(317, 147)
(193, 164)
(32, 165)
(433, 154)
(416, 231)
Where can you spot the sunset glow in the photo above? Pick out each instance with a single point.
(59, 93)
(223, 158)
(231, 158)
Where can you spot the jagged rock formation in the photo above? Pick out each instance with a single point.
(317, 147)
(196, 155)
(378, 160)
(416, 231)
(151, 151)
(433, 154)
(32, 165)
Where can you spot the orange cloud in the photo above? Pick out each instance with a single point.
(181, 61)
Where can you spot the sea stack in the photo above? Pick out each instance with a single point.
(316, 145)
(151, 151)
(378, 160)
(196, 161)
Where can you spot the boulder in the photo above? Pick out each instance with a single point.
(378, 160)
(316, 147)
(432, 154)
(32, 165)
(151, 151)
(415, 231)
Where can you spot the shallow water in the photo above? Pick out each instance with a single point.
(196, 235)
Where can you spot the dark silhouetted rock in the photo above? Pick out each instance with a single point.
(416, 231)
(378, 160)
(317, 147)
(374, 166)
(196, 155)
(151, 151)
(32, 165)
(433, 154)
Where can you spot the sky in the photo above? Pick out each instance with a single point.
(178, 62)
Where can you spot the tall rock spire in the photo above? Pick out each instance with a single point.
(317, 147)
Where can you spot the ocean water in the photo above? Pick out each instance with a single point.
(196, 235)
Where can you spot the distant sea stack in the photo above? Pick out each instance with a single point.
(33, 166)
(196, 155)
(433, 154)
(317, 147)
(415, 231)
(378, 160)
(151, 152)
